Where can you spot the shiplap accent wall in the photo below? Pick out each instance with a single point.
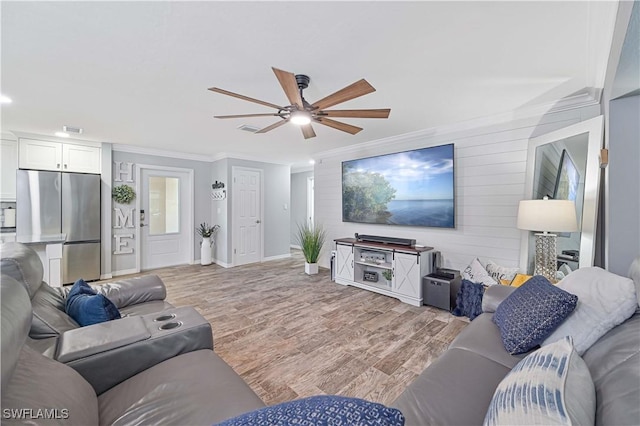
(490, 164)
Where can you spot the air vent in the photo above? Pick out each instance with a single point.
(75, 130)
(248, 128)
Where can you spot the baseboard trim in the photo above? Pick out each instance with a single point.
(280, 256)
(295, 246)
(106, 276)
(223, 264)
(124, 272)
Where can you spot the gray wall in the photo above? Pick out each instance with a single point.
(622, 135)
(202, 199)
(624, 184)
(298, 202)
(276, 198)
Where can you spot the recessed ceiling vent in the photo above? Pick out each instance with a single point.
(248, 128)
(74, 130)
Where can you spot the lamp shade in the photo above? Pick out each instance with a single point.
(547, 215)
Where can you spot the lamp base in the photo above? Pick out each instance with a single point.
(546, 261)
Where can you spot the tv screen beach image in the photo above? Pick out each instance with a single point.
(414, 188)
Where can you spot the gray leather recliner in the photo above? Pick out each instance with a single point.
(151, 330)
(193, 388)
(135, 296)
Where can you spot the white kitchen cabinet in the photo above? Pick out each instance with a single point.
(361, 264)
(80, 158)
(64, 157)
(9, 163)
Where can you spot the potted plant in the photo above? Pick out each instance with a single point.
(206, 232)
(311, 239)
(388, 275)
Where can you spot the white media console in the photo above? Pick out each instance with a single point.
(361, 264)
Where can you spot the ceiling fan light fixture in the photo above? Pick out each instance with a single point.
(300, 118)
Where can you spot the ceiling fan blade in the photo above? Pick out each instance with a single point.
(359, 88)
(273, 126)
(338, 125)
(357, 113)
(290, 86)
(245, 98)
(247, 115)
(307, 131)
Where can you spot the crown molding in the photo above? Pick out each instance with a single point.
(27, 135)
(236, 156)
(160, 152)
(601, 24)
(301, 169)
(8, 136)
(588, 98)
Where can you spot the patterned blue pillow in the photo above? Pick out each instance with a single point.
(551, 386)
(321, 410)
(531, 313)
(86, 307)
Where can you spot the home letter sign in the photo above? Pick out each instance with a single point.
(128, 172)
(121, 246)
(123, 219)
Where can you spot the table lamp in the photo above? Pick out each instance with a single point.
(547, 216)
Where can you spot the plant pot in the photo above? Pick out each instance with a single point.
(310, 268)
(205, 251)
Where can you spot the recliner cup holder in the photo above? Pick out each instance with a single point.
(170, 325)
(166, 317)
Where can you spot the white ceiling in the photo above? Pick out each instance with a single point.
(137, 72)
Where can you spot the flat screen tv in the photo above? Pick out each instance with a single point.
(413, 188)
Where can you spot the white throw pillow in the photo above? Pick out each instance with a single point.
(551, 386)
(476, 273)
(605, 300)
(498, 272)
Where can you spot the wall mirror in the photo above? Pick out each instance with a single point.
(565, 164)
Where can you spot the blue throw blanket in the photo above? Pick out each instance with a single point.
(469, 300)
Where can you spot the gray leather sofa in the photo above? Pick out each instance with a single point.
(189, 389)
(457, 388)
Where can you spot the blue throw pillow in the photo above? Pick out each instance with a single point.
(531, 313)
(86, 307)
(469, 300)
(320, 411)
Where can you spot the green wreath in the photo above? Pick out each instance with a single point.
(123, 194)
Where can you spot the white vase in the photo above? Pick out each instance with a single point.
(310, 268)
(205, 251)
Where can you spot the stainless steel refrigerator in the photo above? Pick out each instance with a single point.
(68, 203)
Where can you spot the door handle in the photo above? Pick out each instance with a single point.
(258, 221)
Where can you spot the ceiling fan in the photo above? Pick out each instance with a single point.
(303, 113)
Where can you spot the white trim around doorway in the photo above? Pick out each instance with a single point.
(190, 205)
(234, 237)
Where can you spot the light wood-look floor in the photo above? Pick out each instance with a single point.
(290, 335)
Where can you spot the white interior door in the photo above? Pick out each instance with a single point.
(165, 219)
(247, 216)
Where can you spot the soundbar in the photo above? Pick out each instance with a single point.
(386, 240)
